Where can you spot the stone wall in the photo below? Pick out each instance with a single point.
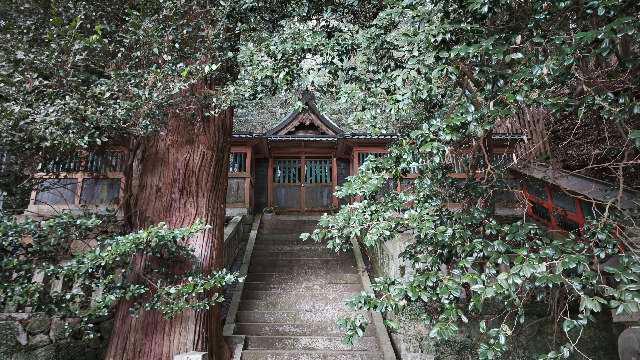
(408, 340)
(37, 336)
(412, 342)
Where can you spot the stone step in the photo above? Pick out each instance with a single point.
(309, 355)
(290, 236)
(286, 329)
(257, 286)
(283, 234)
(287, 247)
(320, 253)
(300, 280)
(308, 296)
(328, 315)
(334, 343)
(317, 304)
(283, 229)
(309, 261)
(271, 242)
(308, 269)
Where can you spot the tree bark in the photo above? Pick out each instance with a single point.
(177, 177)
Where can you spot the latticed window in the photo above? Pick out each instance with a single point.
(537, 189)
(82, 178)
(460, 162)
(105, 161)
(364, 156)
(96, 162)
(540, 211)
(554, 207)
(4, 160)
(287, 171)
(318, 172)
(565, 223)
(62, 163)
(238, 162)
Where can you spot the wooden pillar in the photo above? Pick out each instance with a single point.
(270, 183)
(354, 163)
(247, 180)
(303, 168)
(334, 180)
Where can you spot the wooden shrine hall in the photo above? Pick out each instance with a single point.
(296, 165)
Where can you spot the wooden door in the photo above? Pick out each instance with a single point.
(287, 184)
(318, 185)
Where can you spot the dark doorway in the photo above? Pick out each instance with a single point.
(261, 178)
(343, 173)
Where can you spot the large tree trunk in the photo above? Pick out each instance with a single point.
(178, 176)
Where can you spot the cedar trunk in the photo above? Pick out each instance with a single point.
(177, 177)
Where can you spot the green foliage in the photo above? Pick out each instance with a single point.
(354, 327)
(458, 68)
(85, 255)
(77, 74)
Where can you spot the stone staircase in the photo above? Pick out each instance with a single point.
(293, 294)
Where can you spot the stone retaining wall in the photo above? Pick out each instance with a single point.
(385, 259)
(37, 336)
(411, 341)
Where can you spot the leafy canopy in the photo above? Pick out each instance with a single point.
(455, 68)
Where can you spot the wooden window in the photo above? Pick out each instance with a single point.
(57, 192)
(287, 172)
(564, 201)
(4, 160)
(587, 209)
(363, 156)
(238, 162)
(318, 172)
(537, 189)
(105, 162)
(95, 162)
(540, 211)
(62, 164)
(100, 191)
(459, 162)
(73, 180)
(565, 223)
(553, 206)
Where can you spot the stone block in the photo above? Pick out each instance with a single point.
(47, 352)
(192, 355)
(79, 350)
(38, 341)
(626, 317)
(21, 335)
(38, 324)
(8, 337)
(58, 329)
(629, 344)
